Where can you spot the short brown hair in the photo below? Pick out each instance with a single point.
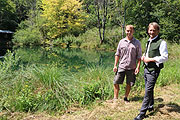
(131, 26)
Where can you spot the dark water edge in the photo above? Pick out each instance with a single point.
(4, 49)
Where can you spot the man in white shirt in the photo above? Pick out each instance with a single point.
(156, 53)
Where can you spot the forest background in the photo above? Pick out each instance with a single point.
(86, 23)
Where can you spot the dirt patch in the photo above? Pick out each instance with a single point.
(39, 117)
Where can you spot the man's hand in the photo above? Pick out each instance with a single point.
(142, 58)
(136, 71)
(115, 69)
(147, 59)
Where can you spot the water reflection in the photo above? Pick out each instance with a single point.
(72, 59)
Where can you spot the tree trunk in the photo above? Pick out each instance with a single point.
(104, 19)
(123, 27)
(98, 16)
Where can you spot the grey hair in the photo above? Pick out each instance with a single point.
(154, 24)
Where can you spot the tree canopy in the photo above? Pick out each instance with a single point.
(54, 19)
(62, 17)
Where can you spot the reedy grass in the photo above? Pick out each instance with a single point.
(52, 87)
(96, 84)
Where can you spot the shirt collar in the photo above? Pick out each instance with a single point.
(153, 38)
(129, 40)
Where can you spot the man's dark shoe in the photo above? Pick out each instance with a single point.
(139, 117)
(126, 100)
(151, 109)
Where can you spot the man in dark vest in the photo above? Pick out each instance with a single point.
(156, 53)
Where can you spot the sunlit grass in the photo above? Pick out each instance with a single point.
(55, 87)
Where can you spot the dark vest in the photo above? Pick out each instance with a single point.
(153, 52)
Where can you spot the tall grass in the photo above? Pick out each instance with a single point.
(170, 73)
(53, 87)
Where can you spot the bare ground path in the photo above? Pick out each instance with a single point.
(167, 107)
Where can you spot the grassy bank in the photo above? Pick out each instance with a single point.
(52, 88)
(49, 87)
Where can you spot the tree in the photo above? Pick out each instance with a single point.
(168, 14)
(120, 13)
(139, 14)
(7, 15)
(111, 12)
(164, 12)
(30, 30)
(101, 7)
(63, 17)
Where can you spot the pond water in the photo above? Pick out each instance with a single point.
(71, 58)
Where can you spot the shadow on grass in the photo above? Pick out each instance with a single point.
(158, 100)
(173, 107)
(160, 105)
(137, 98)
(168, 108)
(140, 98)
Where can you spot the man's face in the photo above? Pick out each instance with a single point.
(153, 31)
(129, 32)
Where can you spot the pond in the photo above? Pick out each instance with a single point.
(73, 59)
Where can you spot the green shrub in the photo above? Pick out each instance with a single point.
(28, 36)
(68, 40)
(26, 100)
(58, 41)
(8, 64)
(89, 39)
(91, 92)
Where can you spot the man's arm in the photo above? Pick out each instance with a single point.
(164, 53)
(115, 63)
(159, 59)
(139, 53)
(147, 59)
(138, 66)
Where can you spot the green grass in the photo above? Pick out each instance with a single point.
(49, 87)
(53, 88)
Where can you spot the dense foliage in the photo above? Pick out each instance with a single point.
(55, 19)
(7, 15)
(63, 17)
